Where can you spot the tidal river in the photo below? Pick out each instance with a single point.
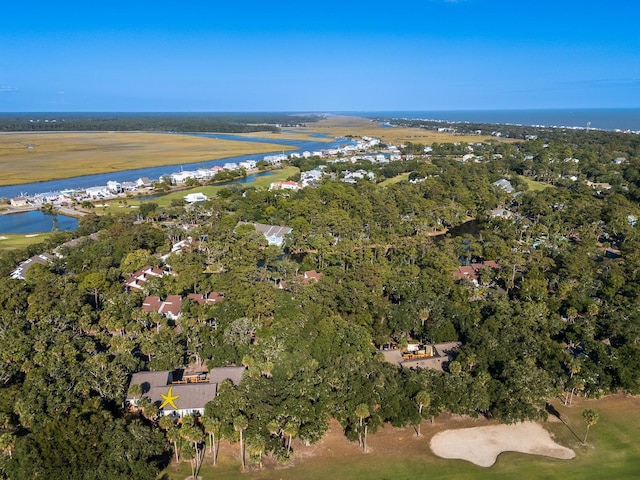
(156, 172)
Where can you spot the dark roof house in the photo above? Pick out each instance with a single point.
(182, 392)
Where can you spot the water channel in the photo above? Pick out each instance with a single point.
(37, 221)
(11, 191)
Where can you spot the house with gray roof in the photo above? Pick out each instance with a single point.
(274, 234)
(182, 392)
(504, 184)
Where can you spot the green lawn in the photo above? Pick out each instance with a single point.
(118, 206)
(403, 177)
(612, 452)
(13, 241)
(534, 185)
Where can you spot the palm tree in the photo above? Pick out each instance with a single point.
(273, 427)
(590, 417)
(240, 424)
(194, 435)
(423, 398)
(455, 367)
(291, 430)
(212, 426)
(135, 390)
(166, 422)
(362, 412)
(173, 435)
(149, 409)
(256, 446)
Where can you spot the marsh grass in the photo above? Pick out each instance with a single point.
(359, 127)
(34, 157)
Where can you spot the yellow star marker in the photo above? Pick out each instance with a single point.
(169, 399)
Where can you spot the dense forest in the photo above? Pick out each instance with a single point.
(153, 122)
(559, 318)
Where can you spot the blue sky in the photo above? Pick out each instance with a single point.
(318, 56)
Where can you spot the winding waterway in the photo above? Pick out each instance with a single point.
(86, 181)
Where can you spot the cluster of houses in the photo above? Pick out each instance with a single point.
(208, 173)
(110, 190)
(139, 278)
(20, 272)
(346, 153)
(171, 307)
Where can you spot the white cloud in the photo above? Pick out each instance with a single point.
(7, 89)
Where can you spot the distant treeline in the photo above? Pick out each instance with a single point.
(155, 122)
(504, 130)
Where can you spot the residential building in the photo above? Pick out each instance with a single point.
(311, 276)
(274, 234)
(138, 279)
(505, 185)
(195, 197)
(19, 202)
(21, 270)
(182, 392)
(284, 186)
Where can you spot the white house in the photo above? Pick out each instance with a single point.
(19, 202)
(248, 164)
(114, 187)
(181, 177)
(284, 186)
(280, 157)
(97, 192)
(195, 197)
(143, 182)
(204, 173)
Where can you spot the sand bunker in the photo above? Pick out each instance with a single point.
(482, 445)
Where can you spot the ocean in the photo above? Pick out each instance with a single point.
(624, 119)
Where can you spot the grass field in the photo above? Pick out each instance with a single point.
(342, 126)
(612, 451)
(13, 241)
(34, 157)
(534, 185)
(403, 177)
